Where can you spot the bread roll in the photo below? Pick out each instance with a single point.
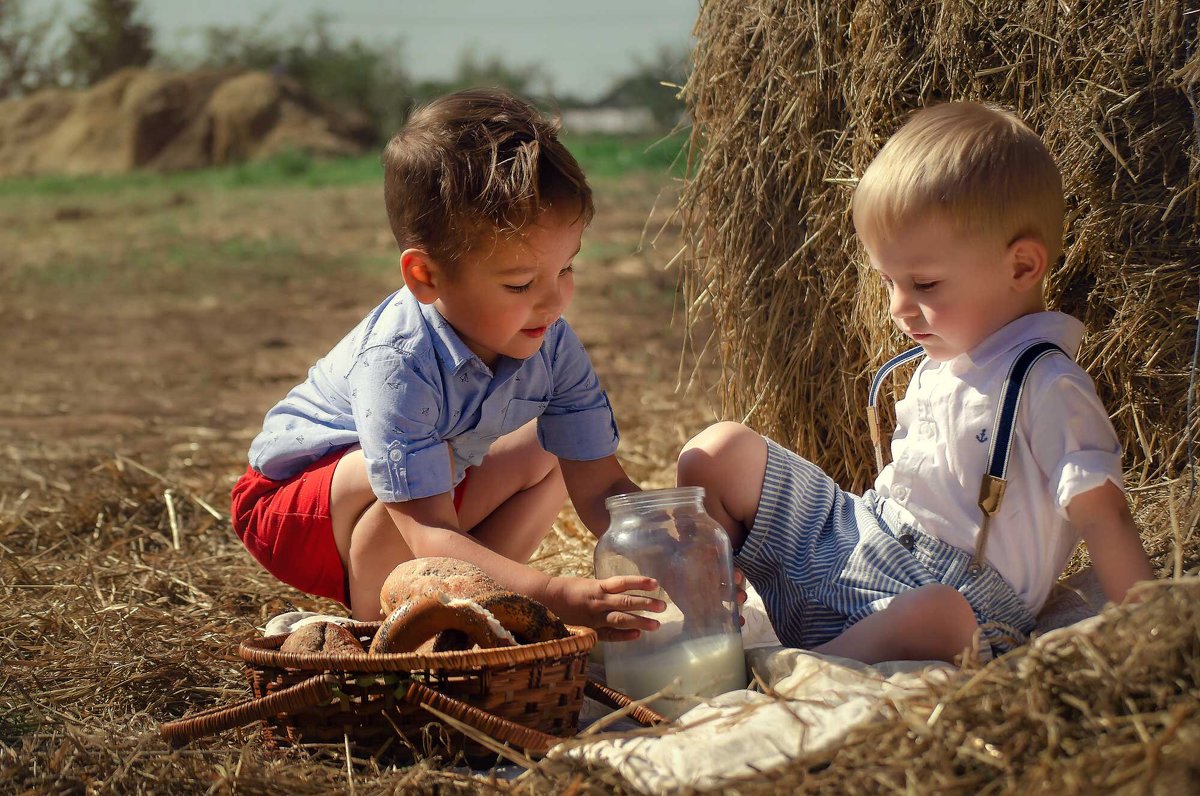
(326, 637)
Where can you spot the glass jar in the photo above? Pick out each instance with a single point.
(697, 650)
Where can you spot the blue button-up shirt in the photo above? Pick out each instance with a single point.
(405, 387)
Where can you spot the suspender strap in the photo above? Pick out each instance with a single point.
(991, 490)
(876, 383)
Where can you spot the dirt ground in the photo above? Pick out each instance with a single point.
(159, 325)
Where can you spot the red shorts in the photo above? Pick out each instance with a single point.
(287, 527)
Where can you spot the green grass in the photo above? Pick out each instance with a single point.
(288, 168)
(601, 156)
(604, 156)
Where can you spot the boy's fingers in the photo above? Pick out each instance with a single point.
(622, 583)
(612, 634)
(623, 621)
(635, 602)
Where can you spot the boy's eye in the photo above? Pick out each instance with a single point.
(519, 288)
(570, 269)
(924, 286)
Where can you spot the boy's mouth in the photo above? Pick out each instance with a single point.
(536, 331)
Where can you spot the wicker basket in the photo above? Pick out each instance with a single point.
(528, 696)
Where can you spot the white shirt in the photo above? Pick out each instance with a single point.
(1063, 445)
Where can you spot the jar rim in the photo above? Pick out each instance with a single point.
(656, 498)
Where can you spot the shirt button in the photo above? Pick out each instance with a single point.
(900, 492)
(907, 541)
(396, 455)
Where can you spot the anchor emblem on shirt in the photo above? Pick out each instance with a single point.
(982, 435)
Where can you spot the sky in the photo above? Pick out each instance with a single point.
(582, 45)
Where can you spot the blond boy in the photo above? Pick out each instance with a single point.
(457, 416)
(961, 215)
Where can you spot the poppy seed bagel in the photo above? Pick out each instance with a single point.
(424, 576)
(527, 619)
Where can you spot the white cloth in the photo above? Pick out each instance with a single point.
(1063, 445)
(817, 700)
(294, 620)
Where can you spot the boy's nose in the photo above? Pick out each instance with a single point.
(901, 304)
(552, 298)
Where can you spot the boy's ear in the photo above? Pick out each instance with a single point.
(420, 278)
(1028, 260)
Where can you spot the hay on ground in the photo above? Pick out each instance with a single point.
(107, 630)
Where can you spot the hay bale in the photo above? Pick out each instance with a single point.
(26, 122)
(165, 121)
(791, 100)
(243, 111)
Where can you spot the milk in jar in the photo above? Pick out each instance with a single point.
(697, 650)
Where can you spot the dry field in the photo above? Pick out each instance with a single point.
(144, 331)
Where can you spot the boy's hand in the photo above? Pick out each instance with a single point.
(604, 604)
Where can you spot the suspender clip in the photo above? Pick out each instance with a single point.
(873, 427)
(991, 492)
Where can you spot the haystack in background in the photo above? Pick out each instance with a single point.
(790, 101)
(166, 121)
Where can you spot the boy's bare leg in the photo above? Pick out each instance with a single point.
(367, 539)
(510, 503)
(729, 461)
(514, 495)
(929, 623)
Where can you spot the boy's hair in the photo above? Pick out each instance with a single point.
(474, 162)
(977, 165)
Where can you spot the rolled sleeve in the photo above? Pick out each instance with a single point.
(407, 473)
(580, 436)
(1073, 440)
(1082, 472)
(396, 405)
(578, 422)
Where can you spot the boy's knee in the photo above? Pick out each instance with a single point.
(553, 475)
(939, 598)
(947, 606)
(723, 442)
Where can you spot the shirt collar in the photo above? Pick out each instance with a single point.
(449, 346)
(1063, 330)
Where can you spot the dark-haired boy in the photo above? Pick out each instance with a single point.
(455, 418)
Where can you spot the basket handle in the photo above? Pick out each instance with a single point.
(607, 695)
(506, 731)
(318, 690)
(293, 699)
(501, 729)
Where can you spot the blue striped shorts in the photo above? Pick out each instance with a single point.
(822, 559)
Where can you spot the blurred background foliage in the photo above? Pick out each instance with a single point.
(353, 76)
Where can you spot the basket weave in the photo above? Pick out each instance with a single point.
(527, 696)
(538, 686)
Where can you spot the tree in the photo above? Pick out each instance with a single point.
(471, 71)
(26, 63)
(108, 37)
(653, 84)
